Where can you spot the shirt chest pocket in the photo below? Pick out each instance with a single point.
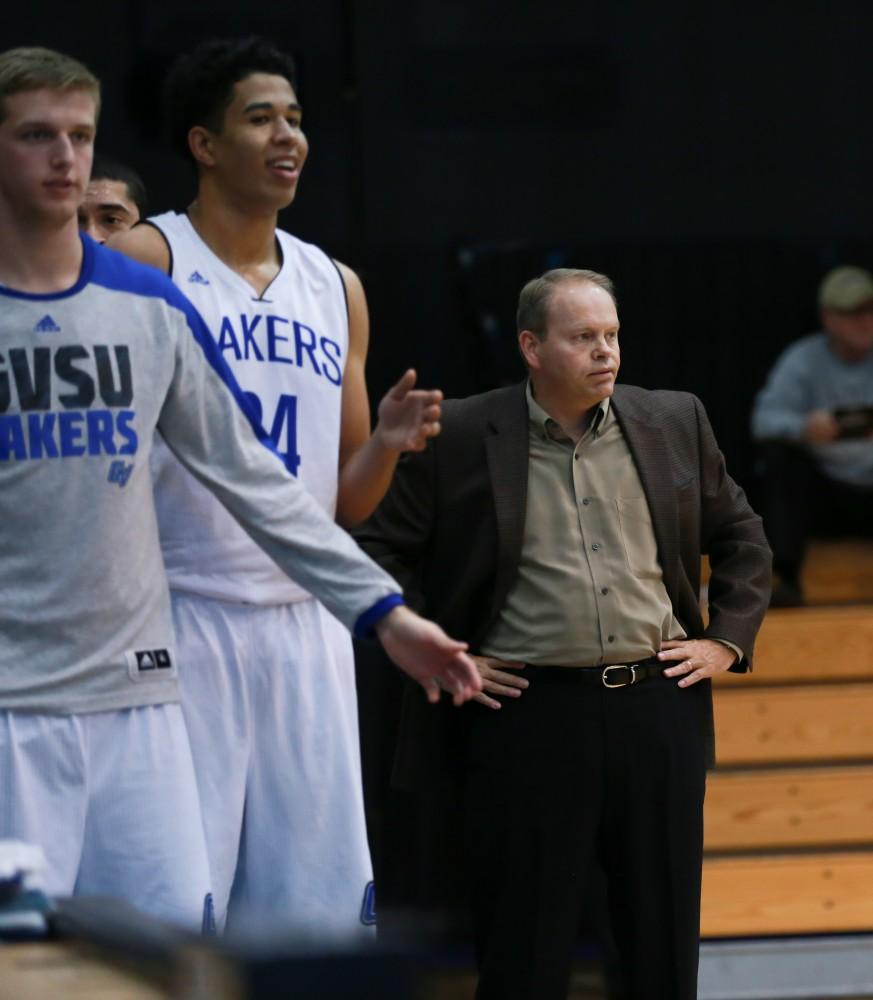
(638, 537)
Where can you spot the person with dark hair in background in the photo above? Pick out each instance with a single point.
(814, 423)
(269, 693)
(559, 524)
(99, 354)
(115, 200)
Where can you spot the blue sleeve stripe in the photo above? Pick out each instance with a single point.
(204, 338)
(85, 275)
(364, 625)
(115, 271)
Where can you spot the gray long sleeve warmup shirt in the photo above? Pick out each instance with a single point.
(87, 376)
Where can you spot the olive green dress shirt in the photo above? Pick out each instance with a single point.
(589, 589)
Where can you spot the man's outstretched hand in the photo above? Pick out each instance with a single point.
(421, 649)
(408, 416)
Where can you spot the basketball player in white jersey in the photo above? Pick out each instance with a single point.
(268, 683)
(97, 354)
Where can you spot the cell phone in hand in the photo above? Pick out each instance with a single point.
(854, 421)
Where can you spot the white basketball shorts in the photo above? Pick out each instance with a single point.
(112, 800)
(270, 704)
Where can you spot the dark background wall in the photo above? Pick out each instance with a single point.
(715, 158)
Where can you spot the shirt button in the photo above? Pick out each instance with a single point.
(586, 501)
(604, 590)
(610, 638)
(596, 546)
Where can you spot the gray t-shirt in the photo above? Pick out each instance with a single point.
(809, 376)
(86, 378)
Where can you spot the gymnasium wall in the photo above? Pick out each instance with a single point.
(716, 158)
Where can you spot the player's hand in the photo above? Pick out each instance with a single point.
(408, 416)
(421, 649)
(695, 659)
(821, 427)
(497, 679)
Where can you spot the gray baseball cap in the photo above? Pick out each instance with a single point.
(846, 289)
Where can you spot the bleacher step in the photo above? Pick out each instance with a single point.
(814, 724)
(815, 893)
(811, 644)
(789, 808)
(839, 572)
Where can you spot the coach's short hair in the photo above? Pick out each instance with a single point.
(535, 297)
(199, 87)
(25, 69)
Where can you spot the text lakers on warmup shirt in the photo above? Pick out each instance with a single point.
(86, 377)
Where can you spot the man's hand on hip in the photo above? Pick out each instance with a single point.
(695, 659)
(497, 679)
(421, 649)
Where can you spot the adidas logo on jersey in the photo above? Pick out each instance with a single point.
(149, 666)
(196, 278)
(46, 325)
(153, 659)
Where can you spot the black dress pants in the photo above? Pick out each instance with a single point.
(573, 774)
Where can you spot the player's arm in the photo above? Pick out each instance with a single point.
(208, 422)
(407, 418)
(145, 244)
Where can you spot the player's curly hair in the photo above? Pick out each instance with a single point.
(199, 86)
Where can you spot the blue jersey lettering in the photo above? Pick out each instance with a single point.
(227, 339)
(310, 352)
(100, 437)
(249, 338)
(284, 424)
(273, 338)
(70, 426)
(331, 353)
(125, 418)
(41, 431)
(68, 434)
(11, 438)
(304, 340)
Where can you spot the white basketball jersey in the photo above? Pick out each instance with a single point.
(287, 349)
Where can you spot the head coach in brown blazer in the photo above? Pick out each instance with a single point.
(558, 526)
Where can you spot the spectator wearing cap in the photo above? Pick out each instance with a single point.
(814, 422)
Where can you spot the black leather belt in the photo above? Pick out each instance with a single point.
(611, 675)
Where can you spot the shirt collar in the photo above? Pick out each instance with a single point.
(547, 427)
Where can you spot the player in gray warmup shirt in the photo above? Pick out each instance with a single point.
(96, 354)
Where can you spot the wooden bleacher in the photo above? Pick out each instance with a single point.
(789, 810)
(840, 572)
(813, 644)
(788, 894)
(809, 807)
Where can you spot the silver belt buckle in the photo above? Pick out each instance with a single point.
(620, 666)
